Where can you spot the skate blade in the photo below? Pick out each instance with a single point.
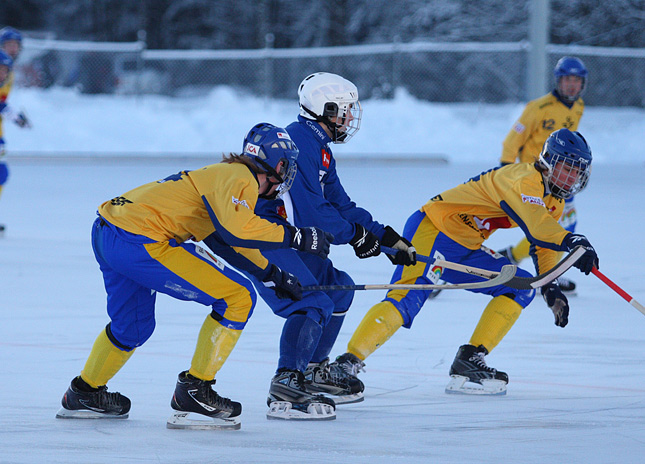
(194, 421)
(86, 414)
(345, 399)
(461, 385)
(283, 410)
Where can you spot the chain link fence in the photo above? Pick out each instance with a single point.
(436, 72)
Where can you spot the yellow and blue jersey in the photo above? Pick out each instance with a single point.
(539, 119)
(502, 198)
(4, 94)
(216, 199)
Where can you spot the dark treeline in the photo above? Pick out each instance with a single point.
(217, 24)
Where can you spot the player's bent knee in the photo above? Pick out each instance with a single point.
(409, 307)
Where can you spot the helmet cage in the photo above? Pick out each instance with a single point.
(269, 145)
(566, 169)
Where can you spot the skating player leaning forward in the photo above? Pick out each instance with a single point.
(453, 226)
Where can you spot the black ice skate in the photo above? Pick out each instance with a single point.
(84, 402)
(567, 286)
(347, 364)
(198, 406)
(289, 400)
(470, 374)
(337, 384)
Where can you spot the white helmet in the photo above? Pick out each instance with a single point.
(324, 96)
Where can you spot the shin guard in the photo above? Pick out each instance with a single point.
(498, 318)
(104, 362)
(214, 345)
(378, 325)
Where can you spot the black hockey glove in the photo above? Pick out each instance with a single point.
(407, 254)
(21, 120)
(284, 284)
(589, 259)
(311, 240)
(365, 243)
(558, 303)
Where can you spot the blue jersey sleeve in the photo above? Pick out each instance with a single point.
(317, 194)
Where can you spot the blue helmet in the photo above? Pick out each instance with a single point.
(5, 60)
(9, 33)
(267, 145)
(570, 66)
(566, 163)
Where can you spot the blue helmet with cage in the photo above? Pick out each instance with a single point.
(570, 66)
(11, 41)
(5, 60)
(565, 161)
(268, 146)
(9, 33)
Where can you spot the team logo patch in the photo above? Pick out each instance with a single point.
(240, 202)
(282, 211)
(326, 158)
(533, 200)
(252, 149)
(493, 223)
(519, 127)
(119, 201)
(283, 135)
(434, 273)
(209, 257)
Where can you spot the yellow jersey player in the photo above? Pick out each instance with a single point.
(562, 107)
(453, 226)
(144, 242)
(10, 46)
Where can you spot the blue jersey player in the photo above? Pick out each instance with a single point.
(305, 380)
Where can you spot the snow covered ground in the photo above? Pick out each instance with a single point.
(575, 394)
(66, 122)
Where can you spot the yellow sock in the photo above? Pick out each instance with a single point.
(378, 325)
(214, 345)
(104, 362)
(521, 250)
(498, 318)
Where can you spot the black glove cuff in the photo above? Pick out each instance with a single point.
(359, 233)
(269, 273)
(547, 287)
(291, 230)
(390, 237)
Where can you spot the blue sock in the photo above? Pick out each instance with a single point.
(328, 338)
(299, 339)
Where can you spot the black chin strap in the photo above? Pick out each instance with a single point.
(333, 128)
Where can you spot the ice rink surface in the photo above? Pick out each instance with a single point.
(575, 394)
